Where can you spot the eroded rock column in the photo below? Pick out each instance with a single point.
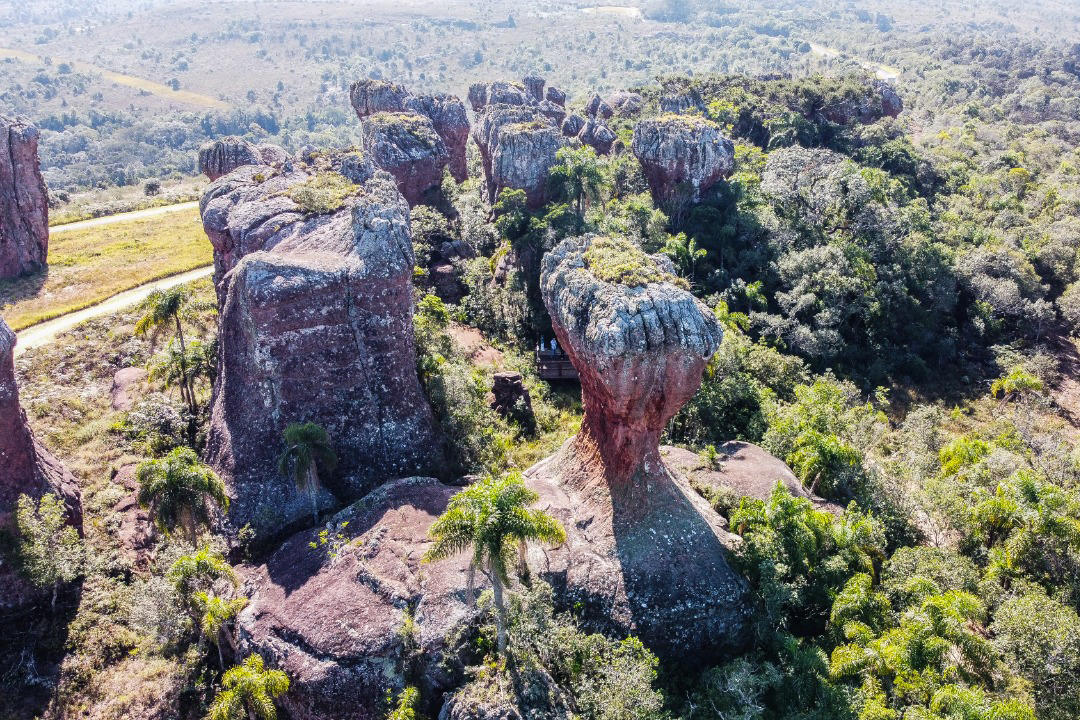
(24, 201)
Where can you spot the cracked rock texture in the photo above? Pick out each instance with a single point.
(682, 156)
(572, 125)
(645, 554)
(517, 146)
(315, 325)
(24, 201)
(596, 134)
(598, 107)
(227, 154)
(446, 113)
(333, 624)
(26, 467)
(626, 104)
(407, 146)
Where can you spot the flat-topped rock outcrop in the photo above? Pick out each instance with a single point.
(332, 618)
(446, 113)
(645, 554)
(407, 146)
(24, 201)
(682, 155)
(315, 287)
(26, 467)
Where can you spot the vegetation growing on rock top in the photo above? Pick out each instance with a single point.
(619, 261)
(323, 193)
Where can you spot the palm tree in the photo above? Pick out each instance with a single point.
(216, 614)
(168, 309)
(249, 690)
(182, 368)
(492, 517)
(577, 176)
(200, 569)
(307, 446)
(179, 490)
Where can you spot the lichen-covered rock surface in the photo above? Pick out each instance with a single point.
(24, 201)
(223, 156)
(517, 146)
(682, 155)
(26, 467)
(645, 554)
(315, 288)
(407, 146)
(334, 617)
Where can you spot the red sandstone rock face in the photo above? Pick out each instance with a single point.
(227, 154)
(446, 113)
(645, 554)
(517, 146)
(680, 151)
(26, 467)
(407, 146)
(24, 202)
(316, 325)
(334, 624)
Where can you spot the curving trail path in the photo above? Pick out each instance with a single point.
(44, 333)
(122, 217)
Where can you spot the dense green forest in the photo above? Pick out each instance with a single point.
(899, 298)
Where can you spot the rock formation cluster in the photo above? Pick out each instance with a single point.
(446, 113)
(517, 146)
(682, 156)
(24, 201)
(645, 554)
(226, 154)
(26, 467)
(314, 280)
(407, 146)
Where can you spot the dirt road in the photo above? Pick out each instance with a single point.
(122, 217)
(43, 333)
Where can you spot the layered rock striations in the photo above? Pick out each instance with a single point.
(446, 113)
(26, 467)
(517, 147)
(407, 146)
(24, 201)
(315, 288)
(333, 619)
(682, 156)
(221, 157)
(645, 554)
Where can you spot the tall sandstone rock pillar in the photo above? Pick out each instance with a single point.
(26, 467)
(24, 201)
(316, 325)
(644, 553)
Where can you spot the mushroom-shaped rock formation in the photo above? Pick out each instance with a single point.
(407, 146)
(555, 95)
(376, 96)
(534, 86)
(597, 107)
(315, 286)
(517, 145)
(26, 467)
(572, 125)
(223, 156)
(334, 624)
(446, 113)
(24, 201)
(597, 135)
(626, 104)
(682, 152)
(644, 554)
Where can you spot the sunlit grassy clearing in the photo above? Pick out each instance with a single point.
(89, 265)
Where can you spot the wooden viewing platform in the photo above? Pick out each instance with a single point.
(555, 366)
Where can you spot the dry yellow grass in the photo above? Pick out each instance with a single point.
(91, 264)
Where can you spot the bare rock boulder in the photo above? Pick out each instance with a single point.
(682, 155)
(315, 325)
(222, 156)
(332, 617)
(24, 201)
(626, 104)
(598, 107)
(26, 467)
(407, 146)
(597, 135)
(555, 95)
(270, 154)
(645, 554)
(448, 117)
(555, 113)
(369, 97)
(517, 146)
(534, 86)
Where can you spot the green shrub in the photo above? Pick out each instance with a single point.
(322, 194)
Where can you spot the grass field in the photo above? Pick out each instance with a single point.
(89, 265)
